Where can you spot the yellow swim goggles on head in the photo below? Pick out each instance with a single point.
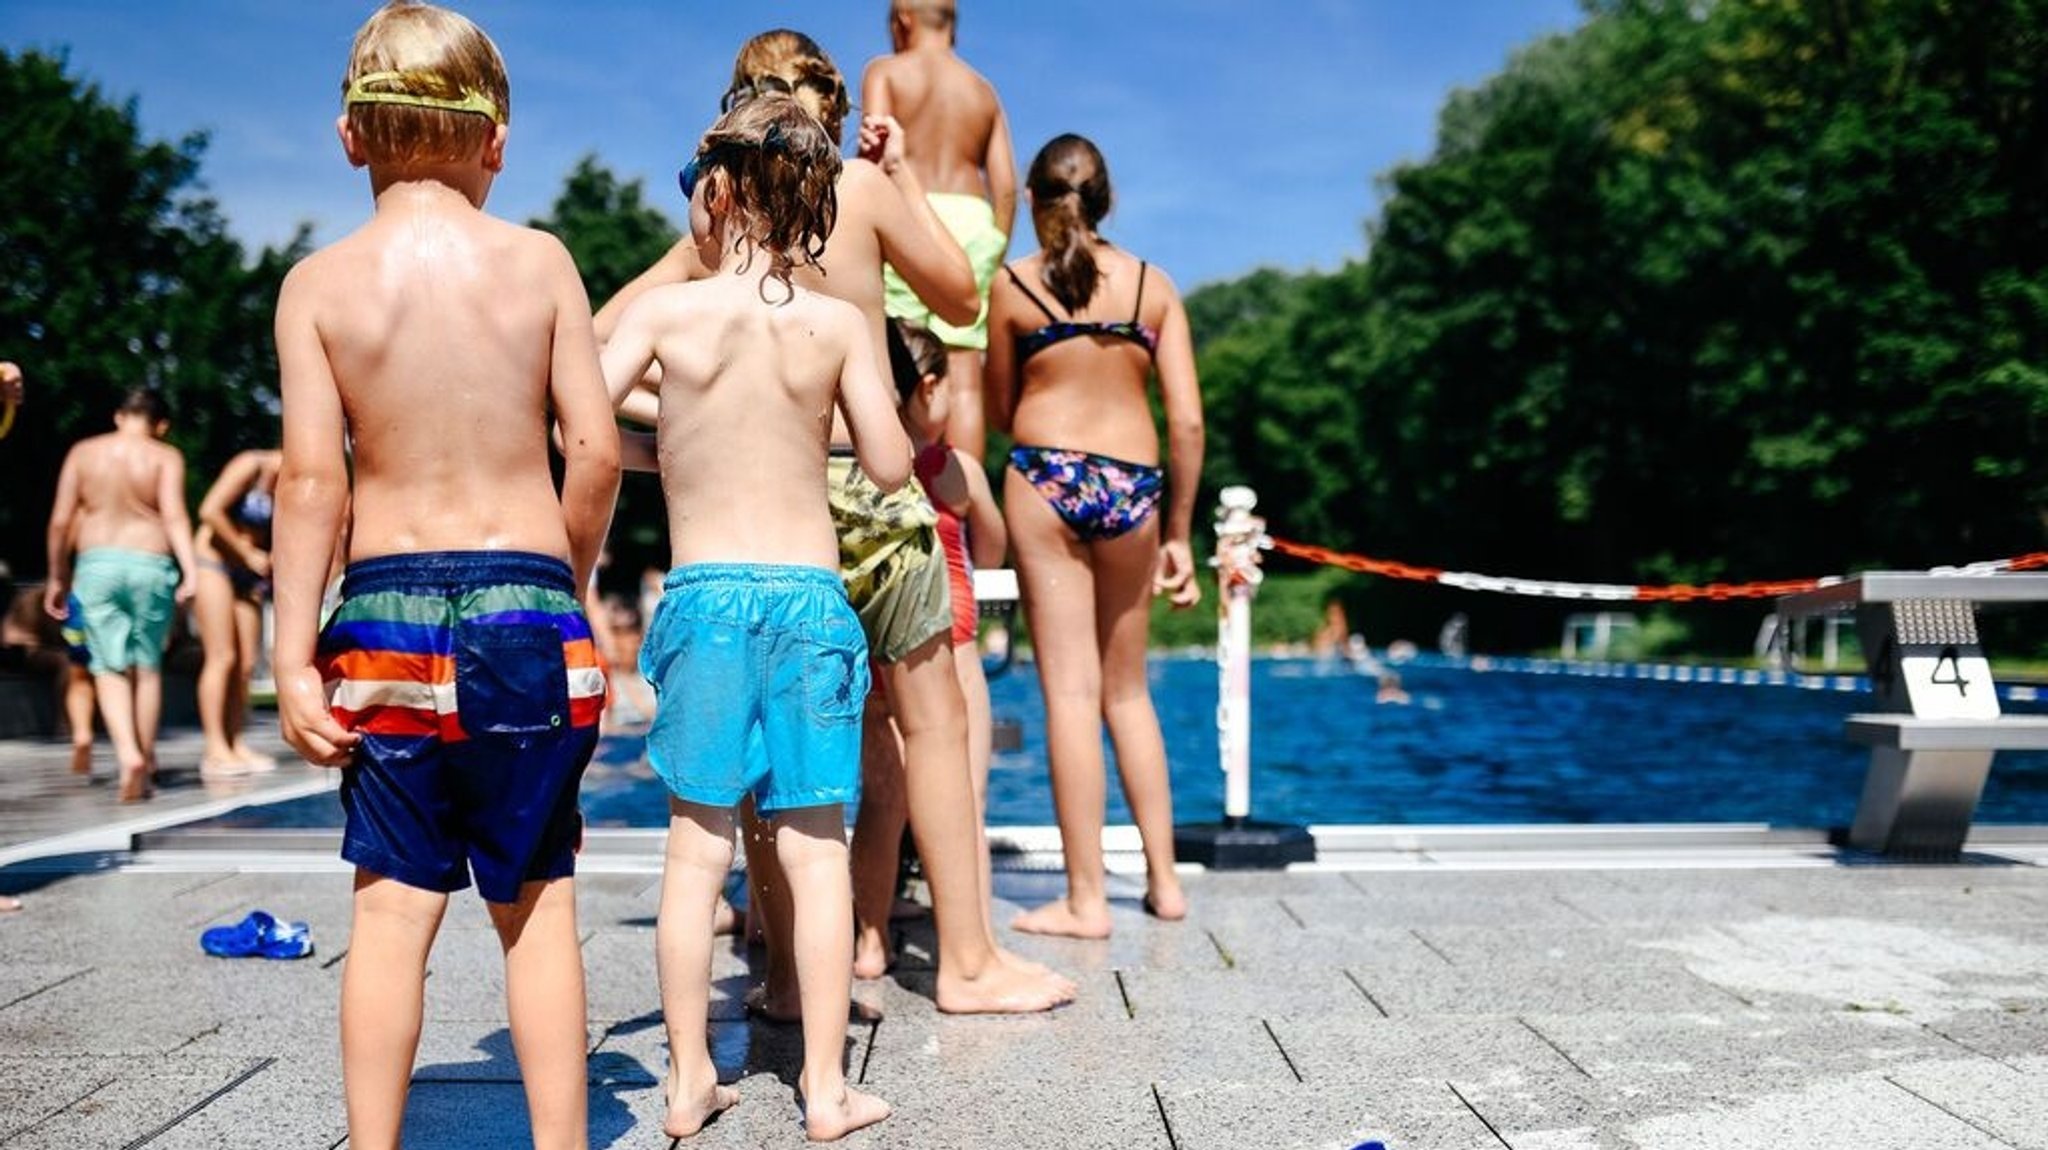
(472, 100)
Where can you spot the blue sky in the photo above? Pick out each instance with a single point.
(1239, 134)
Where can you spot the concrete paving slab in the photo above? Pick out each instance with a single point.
(134, 1103)
(2007, 1101)
(1541, 988)
(37, 1086)
(1670, 1053)
(1403, 1116)
(1288, 947)
(21, 981)
(1924, 971)
(1372, 1054)
(1863, 1112)
(1323, 993)
(1578, 947)
(2004, 1035)
(1047, 1049)
(1440, 905)
(1226, 886)
(957, 1111)
(281, 1105)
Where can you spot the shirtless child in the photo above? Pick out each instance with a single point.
(456, 681)
(121, 502)
(889, 551)
(959, 145)
(758, 659)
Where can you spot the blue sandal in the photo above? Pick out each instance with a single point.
(260, 935)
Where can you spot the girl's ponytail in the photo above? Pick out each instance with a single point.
(1070, 195)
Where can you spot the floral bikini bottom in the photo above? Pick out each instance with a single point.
(1098, 497)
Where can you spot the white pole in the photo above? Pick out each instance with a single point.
(1240, 536)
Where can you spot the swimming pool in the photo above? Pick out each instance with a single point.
(1507, 745)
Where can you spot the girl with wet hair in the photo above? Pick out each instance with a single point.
(893, 568)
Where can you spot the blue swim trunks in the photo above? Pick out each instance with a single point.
(125, 600)
(762, 673)
(473, 681)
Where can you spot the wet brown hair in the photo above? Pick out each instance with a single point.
(1069, 182)
(789, 62)
(431, 52)
(778, 172)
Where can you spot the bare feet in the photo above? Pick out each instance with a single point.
(688, 1111)
(1165, 901)
(134, 783)
(81, 758)
(1005, 986)
(835, 1114)
(223, 768)
(9, 904)
(1061, 918)
(255, 762)
(872, 957)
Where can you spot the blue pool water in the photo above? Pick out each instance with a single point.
(1471, 747)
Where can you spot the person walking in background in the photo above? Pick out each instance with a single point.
(958, 141)
(1077, 333)
(456, 680)
(233, 547)
(120, 507)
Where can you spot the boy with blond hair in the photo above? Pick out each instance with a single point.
(456, 681)
(957, 140)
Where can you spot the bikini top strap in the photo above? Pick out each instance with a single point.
(1138, 308)
(1029, 294)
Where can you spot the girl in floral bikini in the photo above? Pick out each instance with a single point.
(1076, 334)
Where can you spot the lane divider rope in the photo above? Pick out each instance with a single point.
(1606, 592)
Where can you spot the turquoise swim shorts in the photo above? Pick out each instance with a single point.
(128, 599)
(761, 672)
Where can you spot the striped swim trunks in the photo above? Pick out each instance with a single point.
(473, 680)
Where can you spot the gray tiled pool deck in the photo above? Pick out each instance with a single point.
(1460, 990)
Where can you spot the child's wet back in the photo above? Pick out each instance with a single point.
(444, 374)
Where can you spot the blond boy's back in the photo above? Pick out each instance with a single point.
(444, 374)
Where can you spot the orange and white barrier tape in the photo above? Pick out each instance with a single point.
(1604, 592)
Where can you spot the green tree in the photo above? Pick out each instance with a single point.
(113, 274)
(608, 226)
(1726, 290)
